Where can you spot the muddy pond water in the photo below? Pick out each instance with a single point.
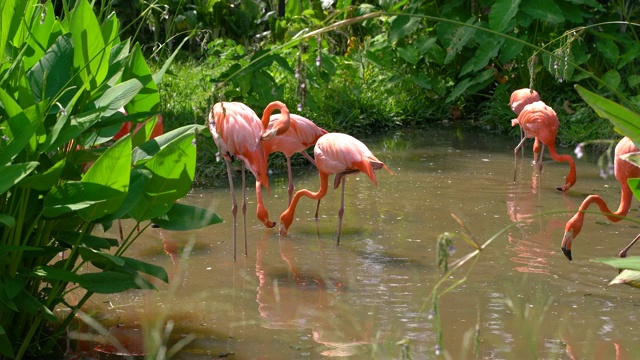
(303, 297)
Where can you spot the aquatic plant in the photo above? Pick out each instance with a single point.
(63, 82)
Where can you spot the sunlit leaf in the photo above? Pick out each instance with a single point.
(52, 72)
(45, 180)
(172, 168)
(187, 217)
(12, 174)
(627, 277)
(624, 120)
(629, 263)
(91, 54)
(148, 98)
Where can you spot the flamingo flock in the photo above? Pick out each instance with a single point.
(240, 134)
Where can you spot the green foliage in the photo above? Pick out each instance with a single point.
(61, 95)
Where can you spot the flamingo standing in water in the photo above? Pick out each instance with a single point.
(338, 154)
(540, 121)
(519, 99)
(239, 133)
(623, 170)
(302, 134)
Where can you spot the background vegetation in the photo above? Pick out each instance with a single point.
(412, 65)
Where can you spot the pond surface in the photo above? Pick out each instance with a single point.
(303, 297)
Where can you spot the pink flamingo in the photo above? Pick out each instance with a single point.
(302, 134)
(519, 99)
(540, 121)
(623, 171)
(239, 133)
(338, 154)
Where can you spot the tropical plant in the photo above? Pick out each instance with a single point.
(63, 85)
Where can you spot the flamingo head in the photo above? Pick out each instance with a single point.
(571, 230)
(285, 221)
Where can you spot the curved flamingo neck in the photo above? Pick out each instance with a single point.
(276, 105)
(287, 216)
(626, 196)
(571, 177)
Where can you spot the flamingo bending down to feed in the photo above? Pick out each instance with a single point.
(239, 133)
(540, 121)
(339, 154)
(623, 170)
(519, 99)
(302, 134)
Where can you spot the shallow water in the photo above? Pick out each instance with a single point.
(303, 297)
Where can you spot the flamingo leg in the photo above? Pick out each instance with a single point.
(623, 253)
(244, 209)
(341, 211)
(304, 153)
(234, 206)
(290, 188)
(515, 158)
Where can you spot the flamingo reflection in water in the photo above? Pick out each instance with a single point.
(291, 298)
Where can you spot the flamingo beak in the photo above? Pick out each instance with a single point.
(282, 229)
(566, 244)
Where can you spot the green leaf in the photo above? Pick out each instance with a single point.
(51, 73)
(627, 277)
(73, 238)
(8, 220)
(624, 120)
(609, 50)
(471, 84)
(186, 217)
(110, 282)
(483, 56)
(149, 148)
(409, 53)
(135, 266)
(461, 37)
(634, 184)
(148, 98)
(28, 303)
(501, 17)
(54, 273)
(6, 348)
(17, 130)
(172, 168)
(401, 26)
(91, 55)
(630, 263)
(99, 257)
(12, 174)
(74, 196)
(46, 180)
(42, 35)
(7, 8)
(612, 78)
(545, 10)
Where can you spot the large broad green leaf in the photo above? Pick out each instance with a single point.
(55, 273)
(12, 174)
(42, 34)
(409, 53)
(73, 238)
(17, 131)
(91, 54)
(624, 120)
(401, 26)
(461, 37)
(629, 263)
(7, 220)
(186, 217)
(483, 56)
(110, 282)
(115, 98)
(52, 72)
(149, 148)
(501, 17)
(148, 98)
(111, 170)
(545, 10)
(471, 84)
(6, 14)
(172, 169)
(100, 259)
(611, 78)
(634, 184)
(29, 304)
(45, 180)
(134, 266)
(627, 277)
